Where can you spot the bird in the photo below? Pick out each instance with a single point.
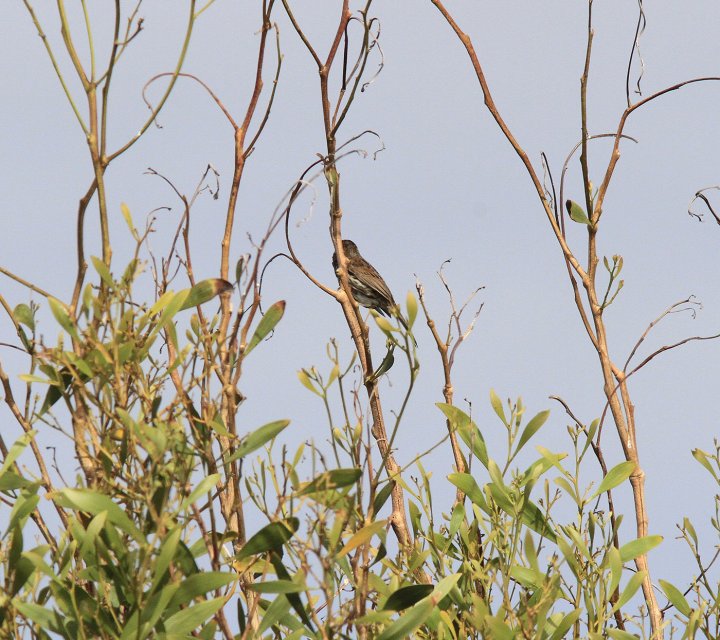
(367, 285)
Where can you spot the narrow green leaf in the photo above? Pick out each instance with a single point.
(497, 406)
(10, 481)
(639, 547)
(272, 536)
(23, 570)
(411, 304)
(204, 291)
(162, 302)
(382, 496)
(619, 634)
(383, 324)
(535, 518)
(24, 315)
(307, 382)
(527, 576)
(277, 609)
(277, 586)
(22, 508)
(125, 210)
(565, 624)
(94, 503)
(468, 430)
(467, 484)
(266, 325)
(531, 428)
(407, 597)
(386, 364)
(456, 519)
(165, 556)
(616, 568)
(617, 475)
(406, 624)
(59, 310)
(499, 630)
(676, 597)
(576, 212)
(258, 438)
(362, 536)
(17, 448)
(103, 271)
(702, 458)
(630, 589)
(38, 614)
(186, 620)
(329, 480)
(205, 485)
(198, 585)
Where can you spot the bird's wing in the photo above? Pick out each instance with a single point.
(372, 278)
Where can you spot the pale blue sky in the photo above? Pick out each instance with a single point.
(446, 186)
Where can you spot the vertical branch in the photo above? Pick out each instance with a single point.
(351, 311)
(622, 412)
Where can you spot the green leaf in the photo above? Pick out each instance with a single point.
(94, 503)
(386, 364)
(630, 589)
(272, 536)
(617, 475)
(619, 634)
(277, 586)
(103, 271)
(702, 458)
(329, 480)
(204, 291)
(39, 614)
(125, 210)
(499, 630)
(383, 324)
(408, 622)
(23, 570)
(616, 568)
(277, 609)
(165, 556)
(185, 620)
(205, 485)
(412, 308)
(527, 577)
(362, 536)
(266, 325)
(382, 496)
(60, 311)
(199, 584)
(531, 428)
(307, 382)
(10, 481)
(407, 597)
(468, 430)
(639, 547)
(565, 624)
(17, 448)
(534, 518)
(676, 597)
(497, 406)
(576, 212)
(258, 438)
(22, 508)
(23, 315)
(467, 484)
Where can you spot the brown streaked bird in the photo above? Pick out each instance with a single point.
(367, 285)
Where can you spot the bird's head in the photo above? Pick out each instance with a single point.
(350, 248)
